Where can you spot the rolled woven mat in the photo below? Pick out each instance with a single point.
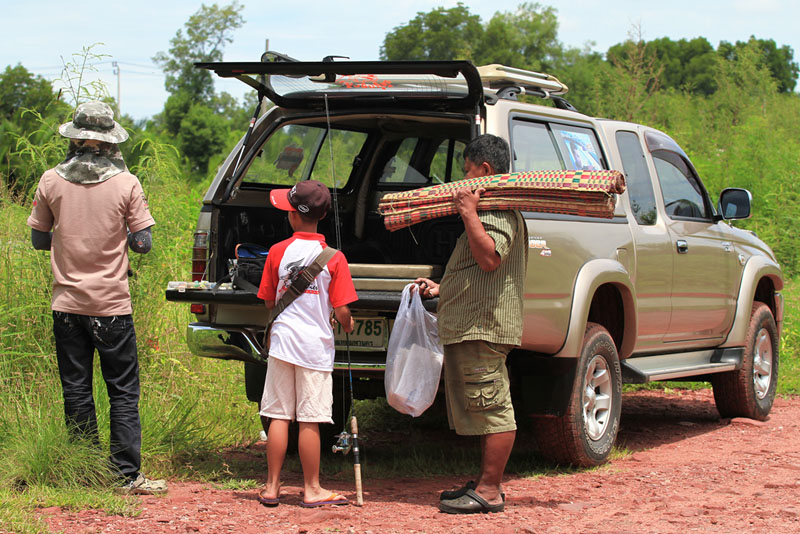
(586, 193)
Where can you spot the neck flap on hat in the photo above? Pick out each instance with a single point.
(84, 165)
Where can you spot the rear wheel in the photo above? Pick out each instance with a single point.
(750, 391)
(585, 434)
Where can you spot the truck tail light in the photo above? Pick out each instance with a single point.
(200, 256)
(198, 309)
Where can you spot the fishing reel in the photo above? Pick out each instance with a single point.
(344, 442)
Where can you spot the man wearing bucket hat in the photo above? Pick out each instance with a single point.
(96, 209)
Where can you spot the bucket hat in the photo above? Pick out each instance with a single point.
(94, 120)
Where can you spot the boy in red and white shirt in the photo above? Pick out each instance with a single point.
(299, 383)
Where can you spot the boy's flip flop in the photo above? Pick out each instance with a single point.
(333, 498)
(268, 501)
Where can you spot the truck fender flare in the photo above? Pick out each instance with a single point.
(591, 276)
(756, 268)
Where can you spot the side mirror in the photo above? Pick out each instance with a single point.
(734, 203)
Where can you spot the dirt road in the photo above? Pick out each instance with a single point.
(688, 471)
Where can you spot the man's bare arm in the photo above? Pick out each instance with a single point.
(481, 244)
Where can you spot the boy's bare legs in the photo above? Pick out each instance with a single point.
(277, 442)
(308, 446)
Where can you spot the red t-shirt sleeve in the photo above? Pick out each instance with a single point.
(341, 291)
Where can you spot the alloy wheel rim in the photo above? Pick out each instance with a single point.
(597, 397)
(762, 363)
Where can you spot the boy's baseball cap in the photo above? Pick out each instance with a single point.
(308, 197)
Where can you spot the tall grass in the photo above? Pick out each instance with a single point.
(789, 370)
(189, 406)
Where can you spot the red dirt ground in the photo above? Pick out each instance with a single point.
(689, 471)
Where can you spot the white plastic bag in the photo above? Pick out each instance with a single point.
(414, 356)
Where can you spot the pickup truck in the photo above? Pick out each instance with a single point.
(667, 289)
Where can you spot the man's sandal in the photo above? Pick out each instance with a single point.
(470, 503)
(447, 495)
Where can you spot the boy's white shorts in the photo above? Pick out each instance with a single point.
(297, 393)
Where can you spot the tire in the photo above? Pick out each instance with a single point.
(254, 375)
(585, 434)
(750, 391)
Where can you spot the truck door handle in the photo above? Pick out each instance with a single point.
(682, 246)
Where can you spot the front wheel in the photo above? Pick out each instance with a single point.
(750, 391)
(585, 434)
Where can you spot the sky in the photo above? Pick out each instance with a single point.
(43, 34)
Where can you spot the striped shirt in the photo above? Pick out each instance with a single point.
(479, 305)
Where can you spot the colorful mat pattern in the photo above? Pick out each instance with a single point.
(587, 193)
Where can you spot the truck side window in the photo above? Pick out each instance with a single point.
(579, 147)
(398, 170)
(347, 145)
(683, 196)
(533, 148)
(448, 162)
(637, 177)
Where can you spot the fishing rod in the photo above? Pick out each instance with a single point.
(343, 442)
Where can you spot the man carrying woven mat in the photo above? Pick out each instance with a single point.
(480, 321)
(569, 192)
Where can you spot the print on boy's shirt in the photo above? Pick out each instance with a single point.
(293, 271)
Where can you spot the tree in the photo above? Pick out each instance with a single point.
(779, 61)
(29, 118)
(624, 90)
(526, 39)
(441, 34)
(21, 90)
(202, 134)
(581, 70)
(207, 33)
(684, 64)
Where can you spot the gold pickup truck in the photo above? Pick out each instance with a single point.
(667, 289)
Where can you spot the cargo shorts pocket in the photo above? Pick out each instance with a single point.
(483, 389)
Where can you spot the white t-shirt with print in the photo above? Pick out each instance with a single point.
(302, 333)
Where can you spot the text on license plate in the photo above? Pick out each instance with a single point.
(369, 333)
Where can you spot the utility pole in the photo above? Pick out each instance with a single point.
(266, 45)
(119, 104)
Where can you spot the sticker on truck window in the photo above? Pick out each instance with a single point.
(581, 151)
(363, 81)
(289, 159)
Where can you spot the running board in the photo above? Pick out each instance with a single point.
(644, 369)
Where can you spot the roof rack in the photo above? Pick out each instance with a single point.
(508, 82)
(499, 76)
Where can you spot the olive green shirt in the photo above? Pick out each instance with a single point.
(479, 305)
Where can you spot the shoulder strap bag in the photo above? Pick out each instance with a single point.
(297, 288)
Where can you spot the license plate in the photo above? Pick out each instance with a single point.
(369, 333)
